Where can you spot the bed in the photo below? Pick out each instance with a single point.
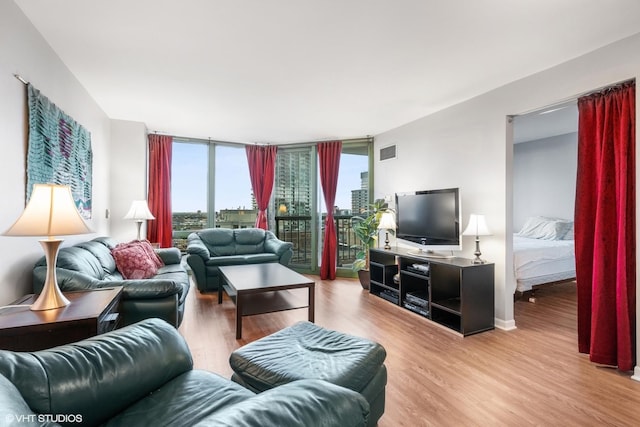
(543, 252)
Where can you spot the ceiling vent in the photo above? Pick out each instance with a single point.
(387, 153)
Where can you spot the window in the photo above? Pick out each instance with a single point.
(235, 205)
(189, 171)
(211, 187)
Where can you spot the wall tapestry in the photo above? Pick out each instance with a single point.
(59, 151)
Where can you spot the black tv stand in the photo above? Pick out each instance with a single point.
(453, 292)
(428, 254)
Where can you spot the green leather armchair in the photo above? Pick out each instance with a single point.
(90, 265)
(211, 248)
(143, 375)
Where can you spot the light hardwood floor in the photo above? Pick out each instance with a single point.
(530, 376)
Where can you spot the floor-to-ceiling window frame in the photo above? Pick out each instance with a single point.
(211, 188)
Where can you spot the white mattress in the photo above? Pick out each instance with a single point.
(537, 261)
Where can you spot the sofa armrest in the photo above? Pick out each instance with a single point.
(146, 288)
(99, 377)
(195, 246)
(169, 255)
(284, 250)
(197, 265)
(303, 403)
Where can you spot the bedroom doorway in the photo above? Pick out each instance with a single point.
(544, 186)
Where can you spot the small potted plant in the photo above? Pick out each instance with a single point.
(366, 230)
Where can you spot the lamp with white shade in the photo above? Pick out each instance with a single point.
(50, 212)
(477, 227)
(387, 222)
(139, 212)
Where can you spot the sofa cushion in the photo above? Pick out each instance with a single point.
(249, 241)
(78, 259)
(301, 403)
(133, 261)
(192, 397)
(242, 259)
(102, 253)
(219, 241)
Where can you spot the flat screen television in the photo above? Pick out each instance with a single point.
(430, 220)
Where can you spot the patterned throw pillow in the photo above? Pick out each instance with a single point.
(133, 261)
(152, 253)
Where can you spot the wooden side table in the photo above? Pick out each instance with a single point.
(89, 313)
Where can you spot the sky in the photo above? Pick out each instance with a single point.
(233, 186)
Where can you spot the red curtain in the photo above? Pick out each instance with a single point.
(262, 164)
(605, 226)
(160, 229)
(329, 157)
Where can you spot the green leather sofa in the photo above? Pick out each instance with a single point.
(90, 265)
(143, 375)
(211, 248)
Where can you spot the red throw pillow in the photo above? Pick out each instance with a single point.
(152, 253)
(133, 261)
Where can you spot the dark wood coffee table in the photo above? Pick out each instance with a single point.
(265, 288)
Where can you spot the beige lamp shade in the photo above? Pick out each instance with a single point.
(477, 226)
(139, 210)
(51, 211)
(387, 222)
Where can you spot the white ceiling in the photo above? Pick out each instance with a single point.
(300, 70)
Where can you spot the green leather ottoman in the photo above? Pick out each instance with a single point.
(308, 351)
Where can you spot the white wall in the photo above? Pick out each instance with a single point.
(470, 146)
(544, 178)
(128, 175)
(25, 52)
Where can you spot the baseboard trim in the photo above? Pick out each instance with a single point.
(509, 325)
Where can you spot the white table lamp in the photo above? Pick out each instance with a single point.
(50, 212)
(139, 212)
(387, 222)
(477, 227)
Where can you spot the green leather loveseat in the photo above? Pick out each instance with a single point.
(90, 265)
(211, 248)
(143, 375)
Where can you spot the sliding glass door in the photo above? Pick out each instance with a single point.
(352, 198)
(299, 208)
(294, 204)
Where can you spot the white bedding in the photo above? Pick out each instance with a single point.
(537, 261)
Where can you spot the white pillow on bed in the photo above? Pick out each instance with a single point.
(540, 227)
(569, 234)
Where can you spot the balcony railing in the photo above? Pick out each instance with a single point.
(298, 229)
